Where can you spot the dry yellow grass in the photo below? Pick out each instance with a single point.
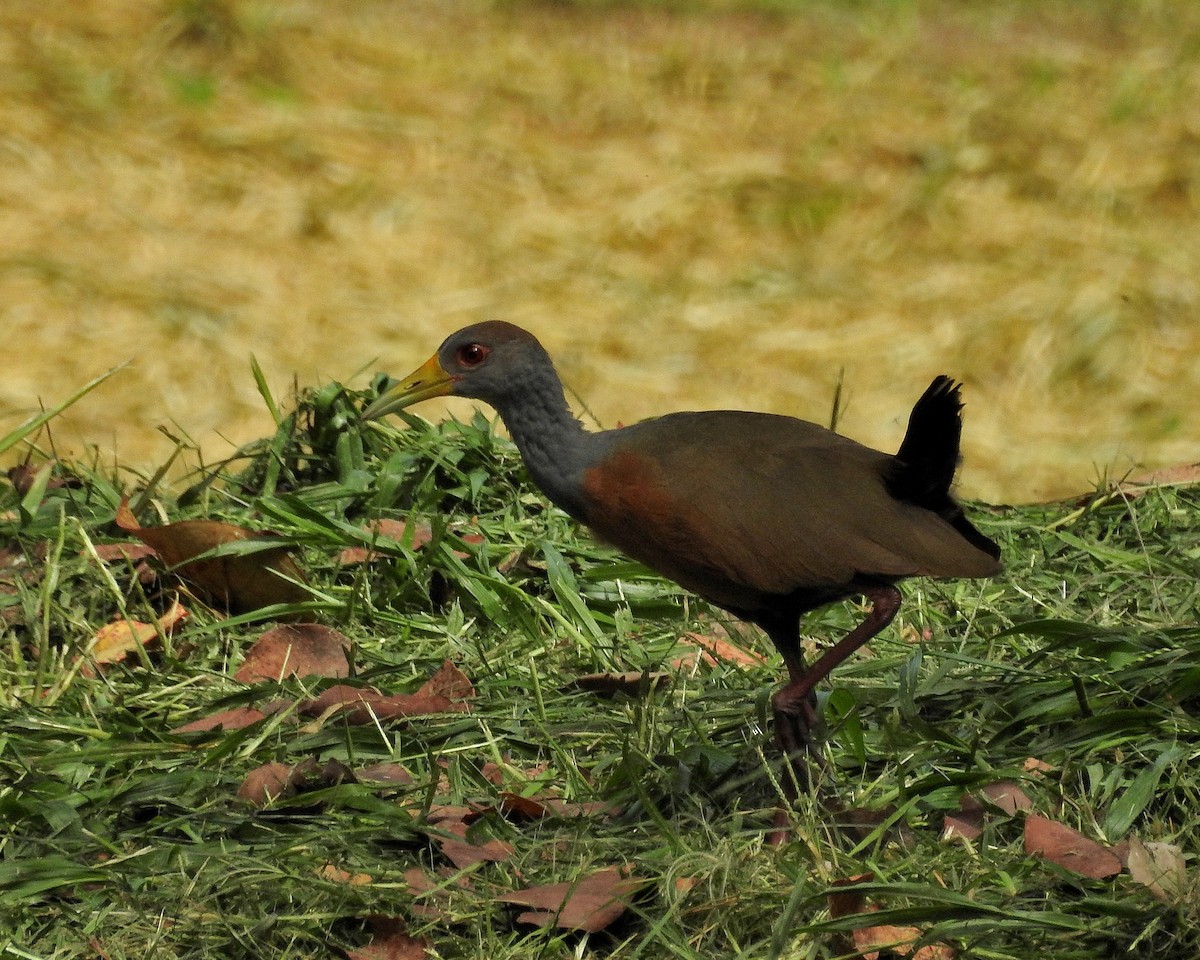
(693, 208)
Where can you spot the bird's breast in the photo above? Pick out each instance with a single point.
(624, 490)
(630, 504)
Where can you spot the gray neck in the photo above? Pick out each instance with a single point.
(555, 447)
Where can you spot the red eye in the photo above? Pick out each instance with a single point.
(472, 355)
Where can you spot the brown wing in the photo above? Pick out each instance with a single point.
(735, 505)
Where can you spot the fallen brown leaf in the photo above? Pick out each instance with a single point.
(685, 885)
(715, 648)
(397, 530)
(589, 904)
(266, 783)
(1068, 848)
(296, 650)
(448, 682)
(19, 569)
(115, 641)
(120, 552)
(352, 556)
(360, 706)
(1008, 796)
(390, 941)
(869, 941)
(859, 823)
(339, 695)
(387, 773)
(239, 582)
(434, 896)
(440, 813)
(335, 874)
(313, 775)
(463, 853)
(389, 529)
(1159, 867)
(275, 781)
(935, 951)
(967, 822)
(517, 808)
(234, 719)
(24, 475)
(842, 902)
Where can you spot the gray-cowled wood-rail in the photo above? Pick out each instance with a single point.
(766, 516)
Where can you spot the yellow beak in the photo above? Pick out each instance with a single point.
(429, 380)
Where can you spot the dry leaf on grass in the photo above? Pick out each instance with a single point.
(633, 684)
(463, 853)
(234, 719)
(390, 941)
(335, 874)
(440, 813)
(392, 530)
(843, 902)
(589, 904)
(444, 692)
(433, 894)
(685, 885)
(515, 807)
(972, 812)
(397, 706)
(966, 822)
(240, 582)
(715, 649)
(136, 553)
(448, 682)
(391, 774)
(19, 569)
(900, 941)
(122, 552)
(1008, 796)
(359, 706)
(397, 530)
(266, 783)
(1159, 867)
(24, 476)
(869, 939)
(296, 650)
(1068, 848)
(115, 641)
(340, 695)
(275, 781)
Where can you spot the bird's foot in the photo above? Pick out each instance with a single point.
(794, 722)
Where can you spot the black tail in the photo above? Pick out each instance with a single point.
(928, 456)
(923, 470)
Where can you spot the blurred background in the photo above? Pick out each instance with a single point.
(694, 204)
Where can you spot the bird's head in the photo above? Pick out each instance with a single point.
(487, 361)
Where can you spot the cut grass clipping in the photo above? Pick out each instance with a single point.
(478, 733)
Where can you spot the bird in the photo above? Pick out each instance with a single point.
(766, 516)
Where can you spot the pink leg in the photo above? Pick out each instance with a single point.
(795, 712)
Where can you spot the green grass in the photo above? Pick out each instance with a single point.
(121, 839)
